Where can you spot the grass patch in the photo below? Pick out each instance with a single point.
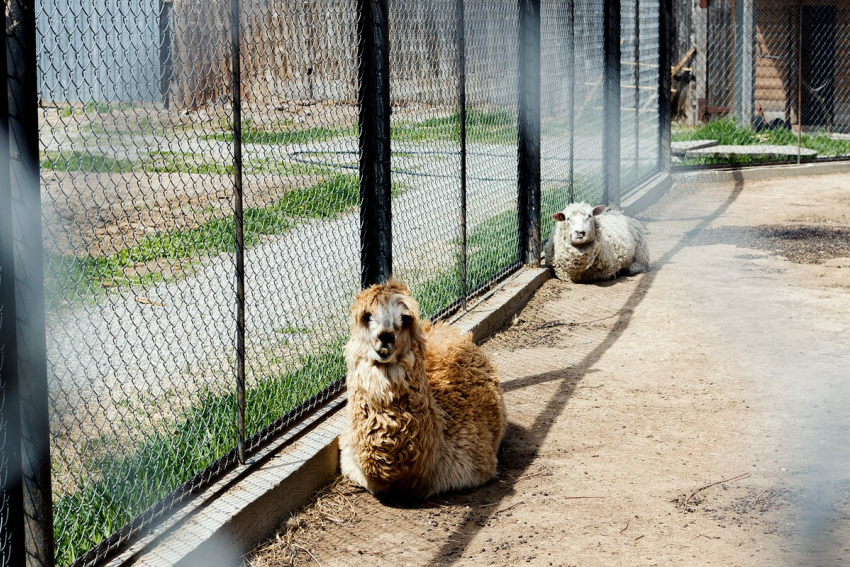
(127, 485)
(728, 132)
(286, 135)
(68, 278)
(482, 126)
(171, 162)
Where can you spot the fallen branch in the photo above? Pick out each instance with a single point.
(701, 488)
(509, 507)
(705, 536)
(307, 551)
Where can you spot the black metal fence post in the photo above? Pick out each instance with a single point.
(461, 63)
(665, 49)
(29, 280)
(528, 133)
(12, 546)
(373, 96)
(611, 104)
(236, 89)
(636, 164)
(572, 27)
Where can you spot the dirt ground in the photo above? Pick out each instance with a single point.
(697, 414)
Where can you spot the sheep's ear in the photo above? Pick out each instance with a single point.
(560, 217)
(598, 210)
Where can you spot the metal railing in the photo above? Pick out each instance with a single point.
(198, 189)
(761, 82)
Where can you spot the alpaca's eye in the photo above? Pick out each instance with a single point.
(366, 318)
(406, 320)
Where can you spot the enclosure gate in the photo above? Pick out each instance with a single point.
(194, 191)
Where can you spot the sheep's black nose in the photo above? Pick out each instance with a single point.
(580, 234)
(386, 337)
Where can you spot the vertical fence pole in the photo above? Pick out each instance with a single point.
(799, 80)
(611, 103)
(29, 280)
(528, 133)
(636, 170)
(665, 49)
(12, 550)
(236, 89)
(572, 46)
(461, 63)
(373, 97)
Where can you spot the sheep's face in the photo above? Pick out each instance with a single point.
(579, 222)
(384, 320)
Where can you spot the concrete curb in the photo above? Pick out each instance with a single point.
(757, 173)
(647, 194)
(226, 520)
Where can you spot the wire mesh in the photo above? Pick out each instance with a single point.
(589, 108)
(138, 237)
(491, 119)
(767, 83)
(557, 93)
(140, 184)
(426, 175)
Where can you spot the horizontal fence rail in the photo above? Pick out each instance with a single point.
(760, 82)
(218, 180)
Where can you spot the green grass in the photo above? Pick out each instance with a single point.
(171, 162)
(490, 127)
(69, 278)
(287, 135)
(126, 485)
(728, 132)
(86, 162)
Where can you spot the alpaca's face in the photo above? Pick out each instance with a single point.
(579, 222)
(383, 324)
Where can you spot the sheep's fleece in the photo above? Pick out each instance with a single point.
(590, 244)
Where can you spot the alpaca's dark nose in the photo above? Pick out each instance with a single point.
(386, 337)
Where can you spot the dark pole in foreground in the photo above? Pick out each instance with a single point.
(665, 48)
(611, 103)
(572, 26)
(236, 90)
(12, 551)
(461, 63)
(528, 133)
(29, 280)
(373, 96)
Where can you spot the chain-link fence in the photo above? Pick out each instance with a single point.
(217, 180)
(761, 81)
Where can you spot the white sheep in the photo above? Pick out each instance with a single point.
(590, 244)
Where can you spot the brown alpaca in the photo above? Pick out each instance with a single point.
(425, 409)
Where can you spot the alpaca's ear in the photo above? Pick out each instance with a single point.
(598, 210)
(560, 217)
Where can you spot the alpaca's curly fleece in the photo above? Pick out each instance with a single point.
(619, 247)
(428, 422)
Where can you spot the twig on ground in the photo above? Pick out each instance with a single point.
(307, 551)
(629, 521)
(581, 497)
(701, 488)
(705, 536)
(543, 471)
(509, 507)
(638, 537)
(756, 501)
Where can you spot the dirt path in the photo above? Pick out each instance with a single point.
(629, 402)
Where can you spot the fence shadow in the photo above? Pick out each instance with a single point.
(521, 443)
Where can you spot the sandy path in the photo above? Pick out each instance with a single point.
(626, 398)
